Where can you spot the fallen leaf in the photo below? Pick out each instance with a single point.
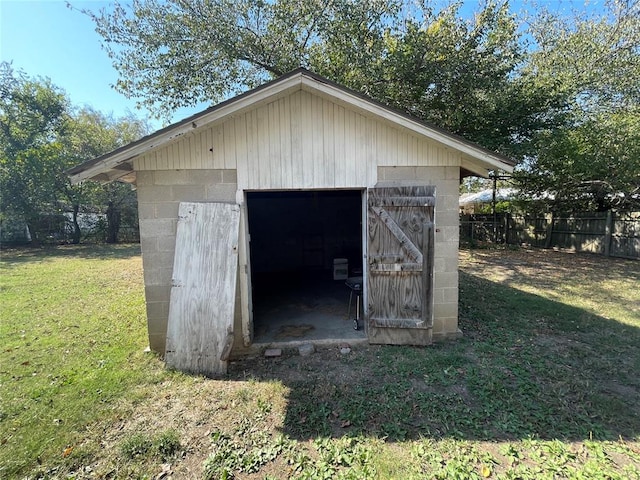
(67, 451)
(166, 470)
(486, 471)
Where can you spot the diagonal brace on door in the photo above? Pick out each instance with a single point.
(405, 242)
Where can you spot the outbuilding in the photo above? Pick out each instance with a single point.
(299, 210)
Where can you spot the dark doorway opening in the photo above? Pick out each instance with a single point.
(296, 239)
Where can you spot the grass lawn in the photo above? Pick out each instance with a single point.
(544, 384)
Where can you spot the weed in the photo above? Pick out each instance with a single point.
(136, 445)
(166, 444)
(246, 454)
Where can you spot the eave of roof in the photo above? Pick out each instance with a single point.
(477, 159)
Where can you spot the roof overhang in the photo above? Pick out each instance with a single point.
(116, 165)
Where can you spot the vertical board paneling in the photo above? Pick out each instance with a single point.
(262, 152)
(218, 147)
(350, 150)
(157, 160)
(183, 153)
(328, 141)
(412, 157)
(360, 167)
(299, 141)
(253, 172)
(273, 141)
(380, 142)
(152, 160)
(423, 153)
(230, 144)
(214, 146)
(241, 150)
(172, 155)
(403, 149)
(317, 172)
(146, 161)
(284, 121)
(203, 292)
(207, 153)
(339, 157)
(296, 138)
(372, 166)
(306, 120)
(391, 149)
(196, 148)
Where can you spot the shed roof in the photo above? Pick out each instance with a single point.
(116, 164)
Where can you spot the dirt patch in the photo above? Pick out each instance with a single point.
(546, 265)
(295, 331)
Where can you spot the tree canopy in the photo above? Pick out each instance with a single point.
(460, 75)
(41, 136)
(590, 160)
(32, 120)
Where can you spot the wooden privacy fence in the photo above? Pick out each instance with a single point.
(615, 234)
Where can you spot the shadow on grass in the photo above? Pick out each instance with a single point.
(11, 255)
(527, 367)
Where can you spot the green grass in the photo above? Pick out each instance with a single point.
(73, 332)
(544, 384)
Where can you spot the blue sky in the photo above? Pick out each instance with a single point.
(47, 39)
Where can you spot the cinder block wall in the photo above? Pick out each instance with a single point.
(446, 180)
(159, 194)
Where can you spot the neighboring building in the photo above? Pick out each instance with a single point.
(477, 202)
(289, 177)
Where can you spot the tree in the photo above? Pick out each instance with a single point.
(91, 134)
(460, 75)
(41, 136)
(181, 52)
(33, 117)
(592, 159)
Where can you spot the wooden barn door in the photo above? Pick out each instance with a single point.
(203, 293)
(400, 265)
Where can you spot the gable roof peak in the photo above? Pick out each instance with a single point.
(109, 166)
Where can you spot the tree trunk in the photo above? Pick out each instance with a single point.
(33, 232)
(113, 223)
(75, 236)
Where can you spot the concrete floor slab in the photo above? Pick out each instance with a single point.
(292, 309)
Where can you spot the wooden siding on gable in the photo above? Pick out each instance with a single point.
(300, 141)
